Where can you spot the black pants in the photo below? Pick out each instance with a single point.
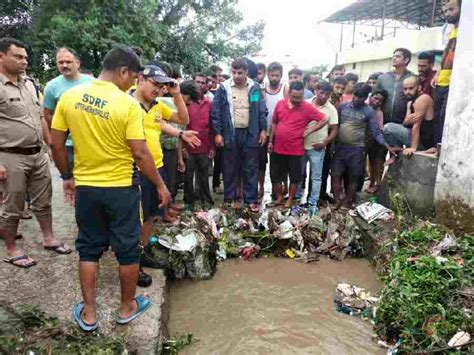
(325, 175)
(197, 165)
(216, 174)
(441, 99)
(170, 161)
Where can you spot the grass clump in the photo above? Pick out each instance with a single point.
(28, 328)
(421, 303)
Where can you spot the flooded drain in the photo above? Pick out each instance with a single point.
(273, 306)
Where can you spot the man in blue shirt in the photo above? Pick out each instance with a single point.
(68, 64)
(354, 119)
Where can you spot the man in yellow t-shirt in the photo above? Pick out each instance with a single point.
(452, 12)
(106, 125)
(150, 84)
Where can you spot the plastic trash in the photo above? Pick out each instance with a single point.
(290, 253)
(285, 230)
(370, 212)
(354, 300)
(459, 339)
(181, 242)
(447, 243)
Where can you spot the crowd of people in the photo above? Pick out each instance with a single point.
(123, 142)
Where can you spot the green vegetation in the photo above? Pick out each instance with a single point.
(193, 33)
(422, 302)
(28, 328)
(177, 343)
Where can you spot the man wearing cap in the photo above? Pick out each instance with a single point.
(106, 125)
(150, 83)
(24, 166)
(355, 117)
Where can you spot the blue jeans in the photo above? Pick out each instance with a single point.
(397, 135)
(316, 161)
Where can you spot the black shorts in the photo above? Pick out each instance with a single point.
(350, 160)
(149, 197)
(283, 165)
(108, 217)
(263, 157)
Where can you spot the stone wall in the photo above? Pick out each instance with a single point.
(454, 193)
(411, 180)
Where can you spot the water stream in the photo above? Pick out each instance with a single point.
(273, 306)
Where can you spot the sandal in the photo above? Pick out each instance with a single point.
(143, 303)
(77, 317)
(254, 208)
(14, 261)
(274, 204)
(26, 214)
(60, 248)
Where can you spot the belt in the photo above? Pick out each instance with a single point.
(22, 151)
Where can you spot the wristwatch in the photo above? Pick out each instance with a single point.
(180, 135)
(67, 176)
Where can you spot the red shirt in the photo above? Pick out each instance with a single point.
(290, 126)
(200, 121)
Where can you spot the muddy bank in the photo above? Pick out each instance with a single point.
(273, 306)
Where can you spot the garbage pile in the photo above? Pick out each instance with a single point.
(192, 247)
(354, 300)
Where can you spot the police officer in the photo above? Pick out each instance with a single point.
(24, 165)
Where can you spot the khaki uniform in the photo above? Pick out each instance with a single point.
(27, 171)
(240, 98)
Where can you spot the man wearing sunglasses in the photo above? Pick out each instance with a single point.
(151, 82)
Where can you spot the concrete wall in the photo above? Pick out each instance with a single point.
(454, 193)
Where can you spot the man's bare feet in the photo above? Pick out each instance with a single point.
(288, 204)
(169, 218)
(372, 190)
(433, 151)
(390, 160)
(236, 205)
(26, 214)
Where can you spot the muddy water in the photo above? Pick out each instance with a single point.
(273, 306)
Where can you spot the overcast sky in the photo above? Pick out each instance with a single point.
(292, 34)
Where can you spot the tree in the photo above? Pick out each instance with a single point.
(91, 28)
(200, 33)
(318, 70)
(192, 33)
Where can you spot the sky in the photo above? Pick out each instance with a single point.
(292, 33)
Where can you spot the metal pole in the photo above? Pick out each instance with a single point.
(433, 12)
(353, 32)
(383, 19)
(340, 40)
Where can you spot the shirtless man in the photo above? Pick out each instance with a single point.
(416, 132)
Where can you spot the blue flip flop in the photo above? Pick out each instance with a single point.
(76, 316)
(143, 304)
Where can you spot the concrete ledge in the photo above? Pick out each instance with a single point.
(53, 284)
(414, 178)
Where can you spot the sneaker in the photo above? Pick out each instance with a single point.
(144, 279)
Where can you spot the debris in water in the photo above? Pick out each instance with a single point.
(354, 300)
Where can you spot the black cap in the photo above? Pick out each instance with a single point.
(156, 73)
